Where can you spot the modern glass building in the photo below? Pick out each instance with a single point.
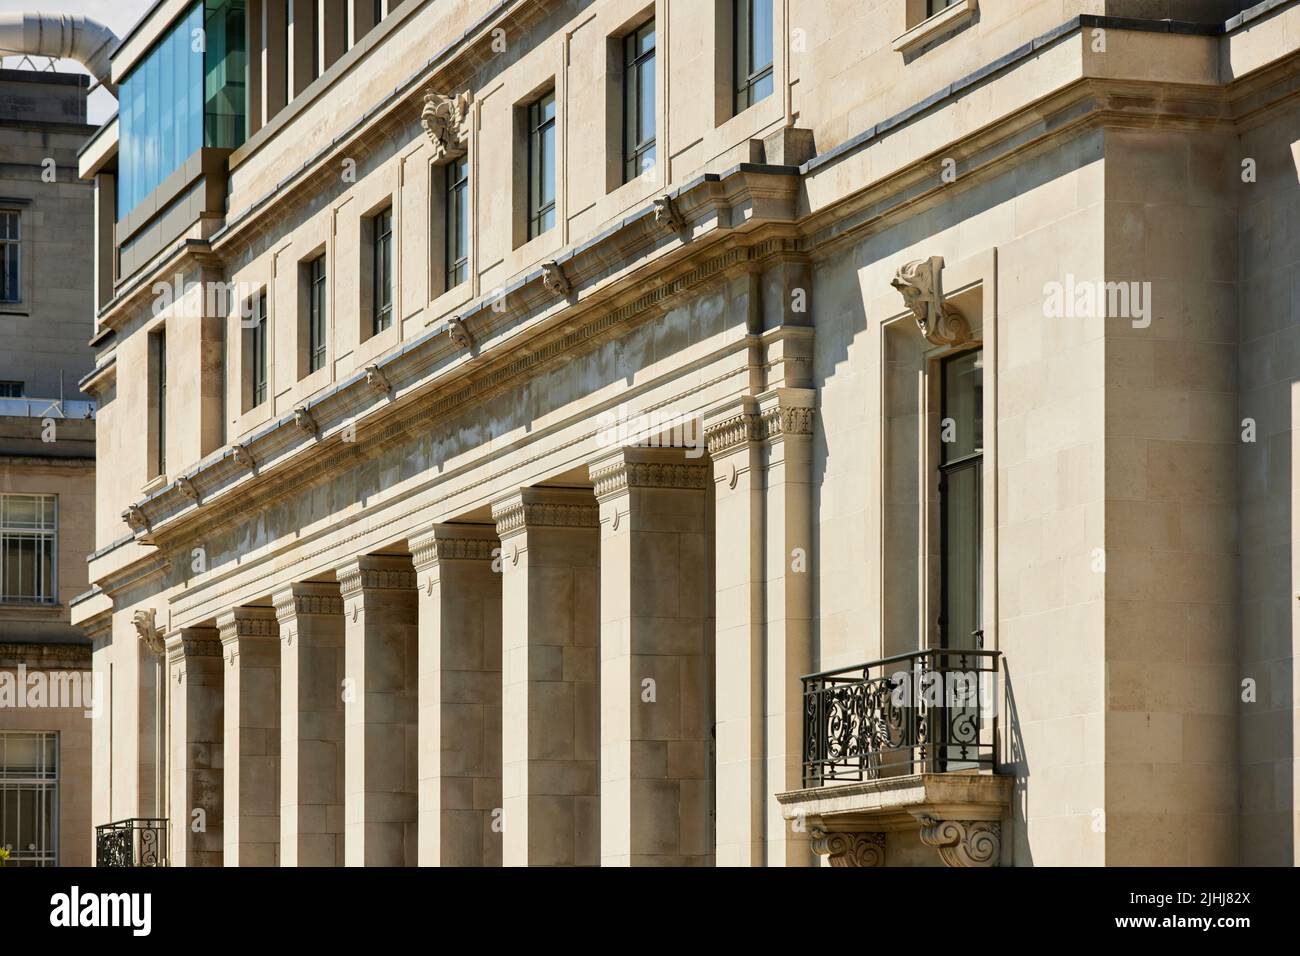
(188, 93)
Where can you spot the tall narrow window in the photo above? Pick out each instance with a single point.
(753, 51)
(961, 459)
(260, 349)
(29, 537)
(317, 314)
(379, 10)
(456, 223)
(160, 401)
(10, 257)
(541, 165)
(383, 270)
(29, 797)
(639, 101)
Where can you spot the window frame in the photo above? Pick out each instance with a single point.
(537, 129)
(259, 352)
(455, 197)
(381, 279)
(970, 461)
(44, 779)
(11, 245)
(159, 343)
(317, 276)
(45, 534)
(744, 77)
(634, 101)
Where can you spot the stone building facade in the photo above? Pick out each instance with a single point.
(584, 433)
(47, 469)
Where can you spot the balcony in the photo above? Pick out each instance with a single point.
(908, 746)
(139, 841)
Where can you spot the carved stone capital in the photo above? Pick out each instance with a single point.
(376, 572)
(554, 279)
(191, 642)
(545, 508)
(963, 842)
(624, 472)
(146, 628)
(921, 285)
(309, 597)
(447, 542)
(458, 334)
(247, 622)
(445, 119)
(850, 849)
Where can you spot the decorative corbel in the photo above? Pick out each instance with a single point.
(244, 457)
(666, 214)
(962, 843)
(921, 285)
(187, 488)
(136, 519)
(377, 380)
(849, 849)
(458, 334)
(553, 278)
(302, 417)
(444, 120)
(146, 628)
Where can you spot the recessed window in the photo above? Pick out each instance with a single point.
(639, 101)
(382, 270)
(541, 165)
(456, 221)
(961, 457)
(29, 797)
(11, 389)
(259, 351)
(937, 6)
(28, 549)
(753, 51)
(158, 342)
(11, 289)
(317, 314)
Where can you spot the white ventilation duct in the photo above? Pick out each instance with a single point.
(61, 35)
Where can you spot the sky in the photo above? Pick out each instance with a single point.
(118, 15)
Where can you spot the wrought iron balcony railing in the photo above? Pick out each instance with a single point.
(930, 711)
(139, 841)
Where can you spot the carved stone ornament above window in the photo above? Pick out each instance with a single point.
(921, 285)
(446, 121)
(146, 628)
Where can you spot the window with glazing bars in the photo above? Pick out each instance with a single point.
(639, 101)
(383, 270)
(541, 165)
(753, 51)
(961, 482)
(11, 289)
(260, 348)
(160, 400)
(29, 797)
(317, 314)
(456, 235)
(29, 540)
(11, 389)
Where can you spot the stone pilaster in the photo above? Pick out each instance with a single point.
(197, 751)
(310, 615)
(761, 448)
(731, 433)
(550, 735)
(250, 648)
(381, 710)
(458, 570)
(656, 617)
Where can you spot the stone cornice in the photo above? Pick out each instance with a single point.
(42, 655)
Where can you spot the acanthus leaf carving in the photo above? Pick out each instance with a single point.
(850, 849)
(963, 843)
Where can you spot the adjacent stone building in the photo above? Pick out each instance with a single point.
(47, 469)
(746, 432)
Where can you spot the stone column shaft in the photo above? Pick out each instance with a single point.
(381, 710)
(656, 612)
(459, 569)
(251, 650)
(311, 724)
(550, 705)
(197, 755)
